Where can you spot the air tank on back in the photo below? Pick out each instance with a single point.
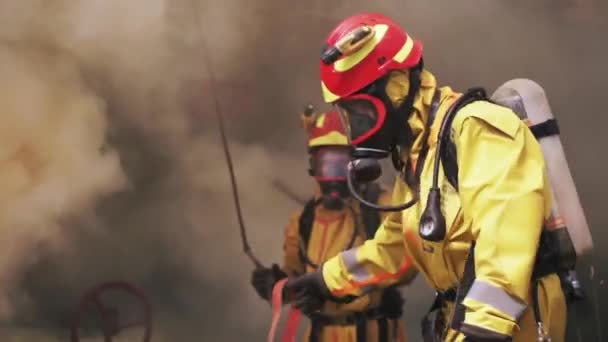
(528, 100)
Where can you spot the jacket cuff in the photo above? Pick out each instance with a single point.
(491, 311)
(494, 300)
(480, 316)
(336, 274)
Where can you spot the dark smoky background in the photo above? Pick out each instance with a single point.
(111, 167)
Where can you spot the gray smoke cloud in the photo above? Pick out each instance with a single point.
(55, 164)
(110, 166)
(110, 170)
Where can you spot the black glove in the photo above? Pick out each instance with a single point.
(391, 303)
(308, 292)
(264, 278)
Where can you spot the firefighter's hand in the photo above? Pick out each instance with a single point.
(391, 303)
(308, 292)
(263, 280)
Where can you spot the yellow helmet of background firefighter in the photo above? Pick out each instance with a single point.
(325, 129)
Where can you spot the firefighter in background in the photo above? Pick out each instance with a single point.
(475, 190)
(332, 222)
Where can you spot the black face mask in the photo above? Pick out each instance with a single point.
(367, 118)
(328, 166)
(334, 194)
(383, 139)
(394, 130)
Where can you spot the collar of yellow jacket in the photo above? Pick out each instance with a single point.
(421, 113)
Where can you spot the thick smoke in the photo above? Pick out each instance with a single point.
(110, 171)
(110, 166)
(54, 162)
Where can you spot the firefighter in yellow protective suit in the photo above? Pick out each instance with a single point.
(478, 208)
(330, 223)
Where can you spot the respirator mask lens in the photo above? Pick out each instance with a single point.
(363, 114)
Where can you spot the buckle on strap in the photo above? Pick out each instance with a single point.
(448, 295)
(441, 297)
(432, 326)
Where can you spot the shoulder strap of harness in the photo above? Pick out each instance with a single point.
(306, 220)
(448, 156)
(369, 216)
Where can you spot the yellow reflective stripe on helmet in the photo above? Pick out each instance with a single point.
(320, 120)
(350, 61)
(328, 96)
(402, 54)
(331, 138)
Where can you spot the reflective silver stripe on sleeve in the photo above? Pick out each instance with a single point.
(496, 297)
(350, 261)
